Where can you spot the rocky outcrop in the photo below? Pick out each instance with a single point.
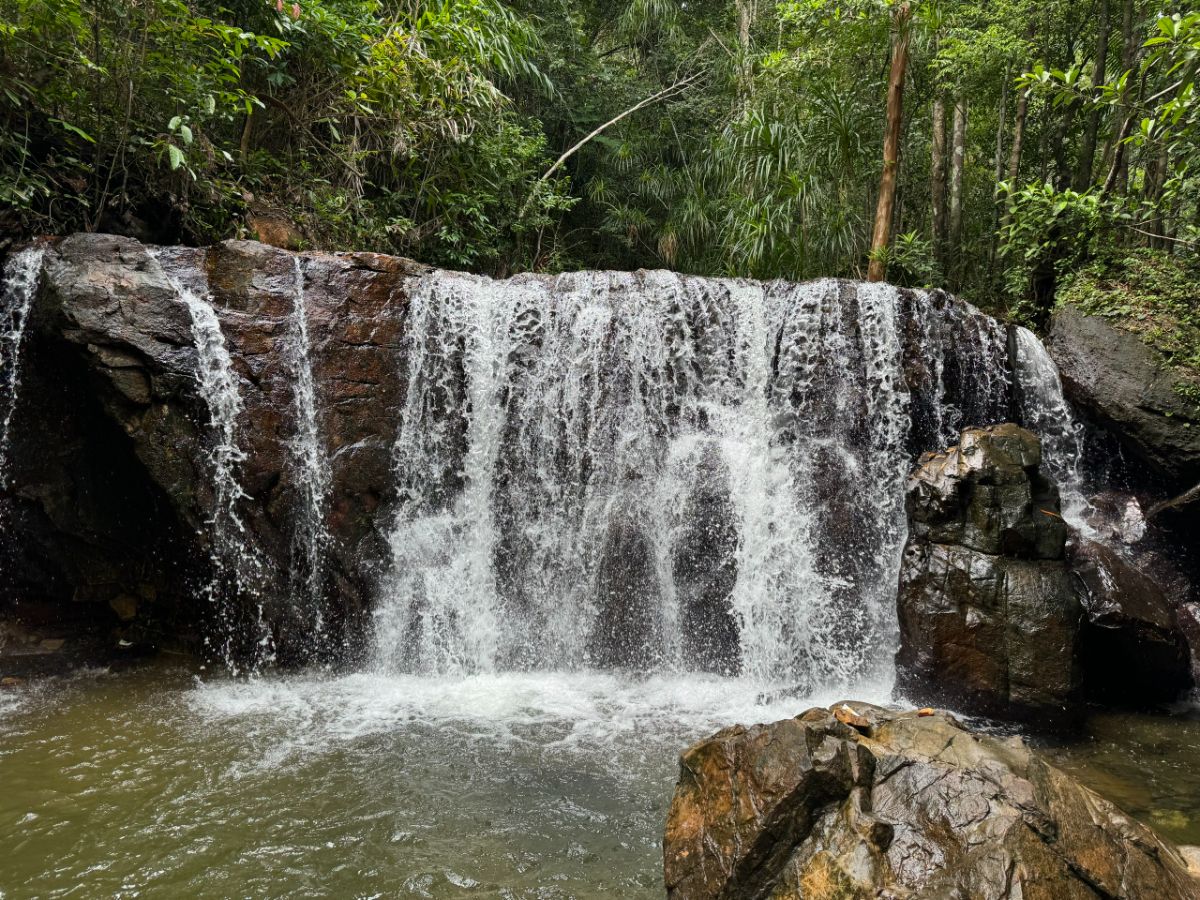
(860, 802)
(113, 493)
(989, 613)
(112, 336)
(1005, 611)
(1133, 648)
(1127, 386)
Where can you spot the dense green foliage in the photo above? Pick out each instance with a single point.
(1151, 294)
(428, 128)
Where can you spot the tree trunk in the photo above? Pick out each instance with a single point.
(1014, 153)
(1120, 159)
(998, 168)
(745, 16)
(877, 269)
(1091, 132)
(937, 169)
(958, 159)
(1062, 159)
(1156, 182)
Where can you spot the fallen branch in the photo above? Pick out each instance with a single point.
(677, 87)
(1184, 499)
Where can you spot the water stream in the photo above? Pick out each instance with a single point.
(310, 536)
(633, 508)
(233, 590)
(664, 473)
(17, 290)
(1047, 412)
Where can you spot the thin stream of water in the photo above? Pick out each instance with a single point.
(233, 590)
(310, 537)
(18, 288)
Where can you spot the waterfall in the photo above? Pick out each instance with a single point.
(662, 472)
(1045, 411)
(233, 589)
(310, 536)
(19, 287)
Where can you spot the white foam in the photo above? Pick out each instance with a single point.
(581, 712)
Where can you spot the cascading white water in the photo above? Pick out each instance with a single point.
(234, 588)
(17, 290)
(310, 535)
(662, 472)
(1046, 412)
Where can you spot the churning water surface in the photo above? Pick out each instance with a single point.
(154, 783)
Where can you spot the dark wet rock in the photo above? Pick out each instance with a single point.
(627, 633)
(124, 500)
(1127, 386)
(1132, 647)
(989, 612)
(908, 806)
(705, 569)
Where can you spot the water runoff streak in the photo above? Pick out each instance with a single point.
(663, 473)
(234, 586)
(310, 536)
(17, 291)
(1046, 411)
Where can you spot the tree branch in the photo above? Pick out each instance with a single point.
(677, 87)
(1187, 497)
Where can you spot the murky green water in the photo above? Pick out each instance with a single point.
(151, 784)
(1149, 765)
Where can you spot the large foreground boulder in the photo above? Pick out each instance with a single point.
(989, 612)
(861, 803)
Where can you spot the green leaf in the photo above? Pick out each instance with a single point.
(176, 156)
(174, 123)
(78, 132)
(185, 133)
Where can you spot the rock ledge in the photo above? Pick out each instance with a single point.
(904, 805)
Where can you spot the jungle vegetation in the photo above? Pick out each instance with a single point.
(1030, 143)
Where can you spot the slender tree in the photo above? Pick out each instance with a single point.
(882, 235)
(958, 160)
(937, 177)
(1118, 180)
(1091, 131)
(1014, 150)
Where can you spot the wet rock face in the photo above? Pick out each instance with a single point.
(898, 805)
(1126, 385)
(109, 310)
(989, 613)
(1133, 647)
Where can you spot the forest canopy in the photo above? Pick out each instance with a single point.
(1037, 140)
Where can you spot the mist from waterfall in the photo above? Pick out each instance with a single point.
(17, 290)
(659, 472)
(310, 468)
(234, 586)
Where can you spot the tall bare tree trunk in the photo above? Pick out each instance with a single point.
(937, 181)
(1091, 132)
(745, 16)
(882, 236)
(1118, 179)
(1156, 182)
(958, 160)
(1014, 152)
